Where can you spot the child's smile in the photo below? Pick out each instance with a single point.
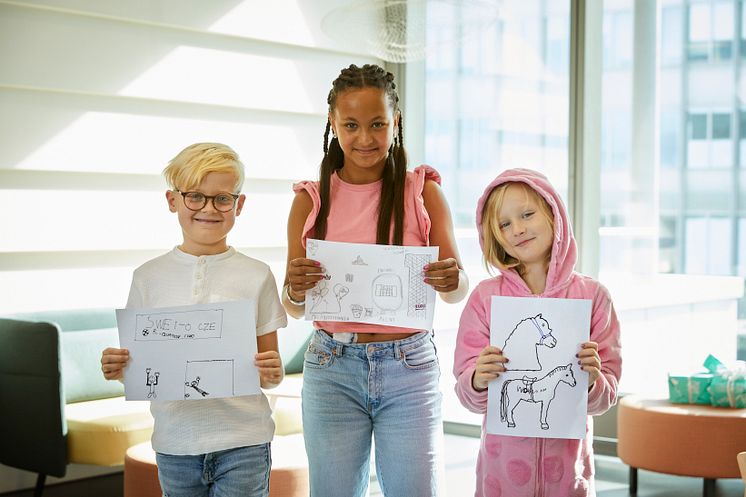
(205, 230)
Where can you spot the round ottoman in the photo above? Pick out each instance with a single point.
(288, 478)
(140, 472)
(680, 439)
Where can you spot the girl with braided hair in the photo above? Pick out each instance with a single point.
(362, 380)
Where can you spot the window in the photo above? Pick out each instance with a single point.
(720, 126)
(697, 126)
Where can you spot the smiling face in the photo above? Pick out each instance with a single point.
(205, 231)
(364, 123)
(526, 233)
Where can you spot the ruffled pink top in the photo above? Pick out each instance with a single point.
(353, 216)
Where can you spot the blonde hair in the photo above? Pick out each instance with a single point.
(493, 239)
(191, 165)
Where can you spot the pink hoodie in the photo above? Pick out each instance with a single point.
(515, 466)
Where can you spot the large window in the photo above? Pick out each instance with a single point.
(690, 177)
(498, 100)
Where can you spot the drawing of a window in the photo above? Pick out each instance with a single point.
(387, 291)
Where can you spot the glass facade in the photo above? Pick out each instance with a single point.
(696, 168)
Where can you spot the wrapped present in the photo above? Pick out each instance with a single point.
(728, 386)
(689, 389)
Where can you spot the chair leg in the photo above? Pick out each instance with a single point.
(40, 479)
(708, 489)
(632, 481)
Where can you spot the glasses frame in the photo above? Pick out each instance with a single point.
(209, 197)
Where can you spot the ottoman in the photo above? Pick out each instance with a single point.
(680, 439)
(288, 478)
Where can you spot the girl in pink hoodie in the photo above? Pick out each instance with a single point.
(525, 233)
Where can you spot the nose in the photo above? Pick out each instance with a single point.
(366, 136)
(209, 206)
(518, 227)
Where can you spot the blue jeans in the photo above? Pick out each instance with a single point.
(388, 390)
(243, 471)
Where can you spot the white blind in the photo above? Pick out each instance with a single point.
(95, 98)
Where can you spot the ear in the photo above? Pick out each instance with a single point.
(396, 122)
(239, 204)
(332, 123)
(171, 199)
(538, 316)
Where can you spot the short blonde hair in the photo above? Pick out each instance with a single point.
(494, 240)
(191, 165)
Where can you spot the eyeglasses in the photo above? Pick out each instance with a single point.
(196, 201)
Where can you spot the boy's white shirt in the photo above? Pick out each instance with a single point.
(177, 278)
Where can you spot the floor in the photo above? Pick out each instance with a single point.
(460, 455)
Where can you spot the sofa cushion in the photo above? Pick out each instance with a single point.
(100, 431)
(81, 365)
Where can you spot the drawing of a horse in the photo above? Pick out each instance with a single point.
(541, 391)
(527, 336)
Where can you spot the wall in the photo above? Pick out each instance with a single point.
(97, 95)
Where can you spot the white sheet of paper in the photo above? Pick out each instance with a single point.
(377, 284)
(192, 352)
(544, 393)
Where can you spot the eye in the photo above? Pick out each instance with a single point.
(504, 225)
(224, 198)
(528, 214)
(195, 197)
(350, 125)
(379, 125)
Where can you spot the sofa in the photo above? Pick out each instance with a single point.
(58, 409)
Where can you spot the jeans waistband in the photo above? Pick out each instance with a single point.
(392, 348)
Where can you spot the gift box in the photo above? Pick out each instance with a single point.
(689, 389)
(728, 386)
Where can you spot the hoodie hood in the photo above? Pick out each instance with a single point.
(564, 250)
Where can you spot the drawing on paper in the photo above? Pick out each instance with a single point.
(187, 325)
(323, 303)
(417, 301)
(194, 384)
(151, 381)
(529, 334)
(541, 391)
(312, 246)
(211, 378)
(387, 291)
(359, 261)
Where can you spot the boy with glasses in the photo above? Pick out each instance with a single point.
(210, 446)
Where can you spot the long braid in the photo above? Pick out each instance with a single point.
(391, 204)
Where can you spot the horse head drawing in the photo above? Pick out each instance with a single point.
(529, 334)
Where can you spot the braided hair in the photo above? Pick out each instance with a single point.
(391, 203)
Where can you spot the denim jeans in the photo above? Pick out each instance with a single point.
(243, 471)
(387, 390)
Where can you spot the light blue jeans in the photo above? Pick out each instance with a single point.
(243, 471)
(388, 390)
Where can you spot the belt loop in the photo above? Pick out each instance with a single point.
(397, 350)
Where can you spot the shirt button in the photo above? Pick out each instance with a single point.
(198, 276)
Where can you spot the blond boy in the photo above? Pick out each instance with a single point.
(210, 446)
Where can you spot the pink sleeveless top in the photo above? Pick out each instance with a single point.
(353, 215)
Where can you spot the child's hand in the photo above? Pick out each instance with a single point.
(270, 368)
(303, 274)
(589, 361)
(442, 275)
(113, 362)
(490, 364)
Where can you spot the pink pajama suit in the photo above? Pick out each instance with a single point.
(528, 467)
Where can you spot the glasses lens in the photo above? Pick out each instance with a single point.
(194, 200)
(224, 202)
